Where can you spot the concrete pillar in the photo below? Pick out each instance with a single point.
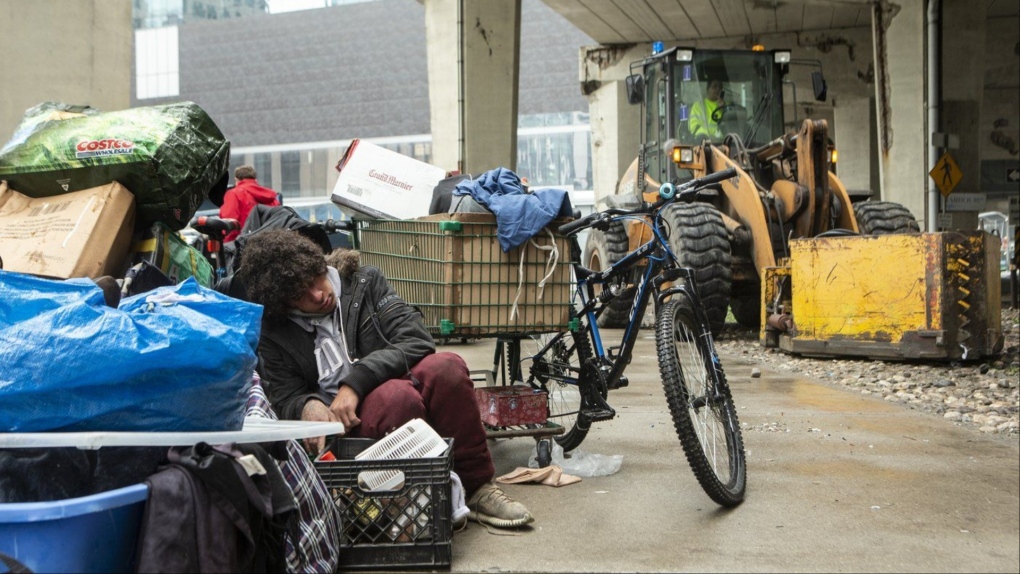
(963, 83)
(614, 122)
(72, 51)
(473, 53)
(898, 32)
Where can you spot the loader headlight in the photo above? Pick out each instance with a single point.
(683, 154)
(781, 56)
(684, 55)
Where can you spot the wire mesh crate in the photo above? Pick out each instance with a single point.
(452, 267)
(407, 525)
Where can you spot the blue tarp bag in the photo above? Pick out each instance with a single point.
(176, 358)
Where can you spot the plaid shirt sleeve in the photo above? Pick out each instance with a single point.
(317, 550)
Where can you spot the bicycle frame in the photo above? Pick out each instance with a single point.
(692, 375)
(661, 268)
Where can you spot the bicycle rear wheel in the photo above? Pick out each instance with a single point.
(557, 372)
(700, 402)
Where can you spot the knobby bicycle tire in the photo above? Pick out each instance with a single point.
(700, 402)
(555, 362)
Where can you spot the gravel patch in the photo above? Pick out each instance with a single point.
(981, 395)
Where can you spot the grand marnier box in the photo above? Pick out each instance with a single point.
(85, 233)
(383, 184)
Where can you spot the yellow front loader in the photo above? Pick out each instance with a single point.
(783, 245)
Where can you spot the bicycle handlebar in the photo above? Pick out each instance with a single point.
(212, 225)
(219, 226)
(696, 186)
(332, 225)
(578, 224)
(686, 190)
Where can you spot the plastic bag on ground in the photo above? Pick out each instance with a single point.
(581, 463)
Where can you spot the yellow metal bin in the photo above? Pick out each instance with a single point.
(908, 296)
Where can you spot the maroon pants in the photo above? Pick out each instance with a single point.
(444, 397)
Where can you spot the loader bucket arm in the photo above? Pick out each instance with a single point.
(824, 188)
(846, 215)
(741, 202)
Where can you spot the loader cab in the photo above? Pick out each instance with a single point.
(691, 96)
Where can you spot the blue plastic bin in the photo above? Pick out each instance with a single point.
(96, 533)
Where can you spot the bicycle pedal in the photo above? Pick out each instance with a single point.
(596, 415)
(623, 382)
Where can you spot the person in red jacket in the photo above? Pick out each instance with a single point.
(239, 200)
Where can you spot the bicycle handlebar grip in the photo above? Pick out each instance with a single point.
(568, 228)
(332, 225)
(717, 177)
(211, 225)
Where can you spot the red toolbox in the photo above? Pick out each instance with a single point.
(511, 405)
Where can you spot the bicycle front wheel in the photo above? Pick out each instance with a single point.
(700, 401)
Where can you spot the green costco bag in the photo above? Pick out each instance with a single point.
(171, 157)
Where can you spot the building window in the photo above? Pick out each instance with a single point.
(156, 63)
(236, 161)
(290, 173)
(264, 169)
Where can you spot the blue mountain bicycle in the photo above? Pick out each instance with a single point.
(577, 370)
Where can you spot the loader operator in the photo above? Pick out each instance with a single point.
(339, 345)
(701, 123)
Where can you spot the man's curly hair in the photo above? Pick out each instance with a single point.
(277, 266)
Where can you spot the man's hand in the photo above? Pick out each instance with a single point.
(345, 407)
(316, 410)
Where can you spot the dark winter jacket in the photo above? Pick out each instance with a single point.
(388, 340)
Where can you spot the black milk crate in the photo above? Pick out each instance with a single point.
(410, 526)
(452, 267)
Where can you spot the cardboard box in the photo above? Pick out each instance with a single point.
(451, 266)
(81, 234)
(383, 184)
(511, 406)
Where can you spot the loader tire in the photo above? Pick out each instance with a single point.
(698, 238)
(602, 249)
(884, 218)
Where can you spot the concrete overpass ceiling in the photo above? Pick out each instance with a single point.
(1000, 8)
(636, 21)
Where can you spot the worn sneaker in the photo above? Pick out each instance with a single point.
(490, 505)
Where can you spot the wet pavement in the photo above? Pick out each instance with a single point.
(836, 482)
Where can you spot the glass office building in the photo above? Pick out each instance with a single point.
(316, 63)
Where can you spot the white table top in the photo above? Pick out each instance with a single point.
(256, 429)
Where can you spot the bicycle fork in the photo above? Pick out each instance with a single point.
(713, 396)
